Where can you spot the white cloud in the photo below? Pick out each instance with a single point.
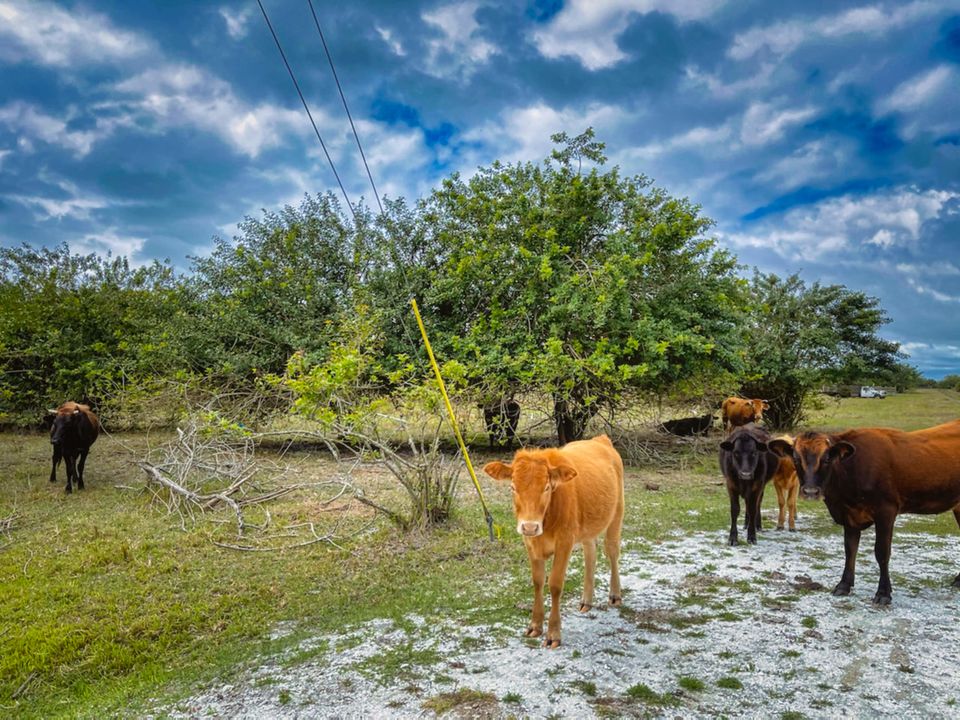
(764, 124)
(521, 134)
(814, 161)
(940, 268)
(921, 90)
(236, 21)
(185, 95)
(783, 38)
(885, 220)
(742, 87)
(458, 49)
(51, 35)
(588, 29)
(392, 42)
(67, 202)
(109, 241)
(697, 139)
(33, 124)
(924, 289)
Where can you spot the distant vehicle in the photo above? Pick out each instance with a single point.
(868, 391)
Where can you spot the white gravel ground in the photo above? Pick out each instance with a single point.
(694, 608)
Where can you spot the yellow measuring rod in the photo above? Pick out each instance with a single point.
(453, 420)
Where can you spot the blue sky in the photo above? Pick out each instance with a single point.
(823, 137)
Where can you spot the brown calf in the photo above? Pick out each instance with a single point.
(869, 476)
(75, 428)
(739, 411)
(562, 497)
(787, 485)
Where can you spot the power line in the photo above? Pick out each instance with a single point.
(345, 107)
(307, 108)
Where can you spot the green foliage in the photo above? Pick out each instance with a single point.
(799, 337)
(579, 285)
(84, 327)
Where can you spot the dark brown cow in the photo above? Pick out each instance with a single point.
(562, 497)
(747, 465)
(74, 430)
(868, 476)
(740, 411)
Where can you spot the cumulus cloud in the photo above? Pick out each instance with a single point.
(887, 219)
(49, 34)
(782, 38)
(178, 95)
(458, 49)
(588, 29)
(110, 241)
(30, 123)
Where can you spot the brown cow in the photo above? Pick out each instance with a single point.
(787, 485)
(740, 411)
(869, 476)
(74, 430)
(562, 497)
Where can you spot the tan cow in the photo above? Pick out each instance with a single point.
(740, 411)
(787, 484)
(562, 497)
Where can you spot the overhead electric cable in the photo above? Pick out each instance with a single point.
(353, 127)
(307, 108)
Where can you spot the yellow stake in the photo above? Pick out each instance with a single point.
(453, 420)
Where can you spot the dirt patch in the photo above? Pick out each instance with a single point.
(763, 637)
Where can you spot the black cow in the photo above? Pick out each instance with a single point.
(501, 421)
(747, 464)
(685, 427)
(75, 429)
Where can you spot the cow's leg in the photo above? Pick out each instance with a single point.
(537, 569)
(57, 456)
(881, 550)
(83, 461)
(956, 516)
(782, 503)
(589, 570)
(851, 543)
(557, 574)
(750, 505)
(756, 515)
(611, 544)
(792, 505)
(734, 512)
(71, 463)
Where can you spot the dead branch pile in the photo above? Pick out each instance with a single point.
(201, 473)
(6, 525)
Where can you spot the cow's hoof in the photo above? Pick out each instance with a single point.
(533, 632)
(793, 529)
(585, 607)
(881, 599)
(68, 490)
(617, 601)
(752, 540)
(841, 589)
(956, 582)
(79, 487)
(779, 527)
(734, 542)
(551, 643)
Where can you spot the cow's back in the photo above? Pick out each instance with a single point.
(596, 493)
(921, 467)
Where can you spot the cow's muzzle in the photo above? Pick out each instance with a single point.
(530, 529)
(811, 492)
(746, 475)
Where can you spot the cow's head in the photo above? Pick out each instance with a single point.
(533, 476)
(814, 456)
(758, 407)
(745, 451)
(64, 420)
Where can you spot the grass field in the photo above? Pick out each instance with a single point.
(110, 607)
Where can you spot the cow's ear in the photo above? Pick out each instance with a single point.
(762, 447)
(498, 470)
(765, 405)
(841, 450)
(561, 473)
(781, 448)
(51, 412)
(726, 445)
(76, 411)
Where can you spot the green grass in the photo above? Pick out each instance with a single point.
(645, 694)
(730, 683)
(691, 683)
(108, 604)
(445, 702)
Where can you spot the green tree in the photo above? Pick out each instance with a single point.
(81, 326)
(581, 285)
(799, 337)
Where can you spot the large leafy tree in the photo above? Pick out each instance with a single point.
(579, 283)
(82, 326)
(800, 336)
